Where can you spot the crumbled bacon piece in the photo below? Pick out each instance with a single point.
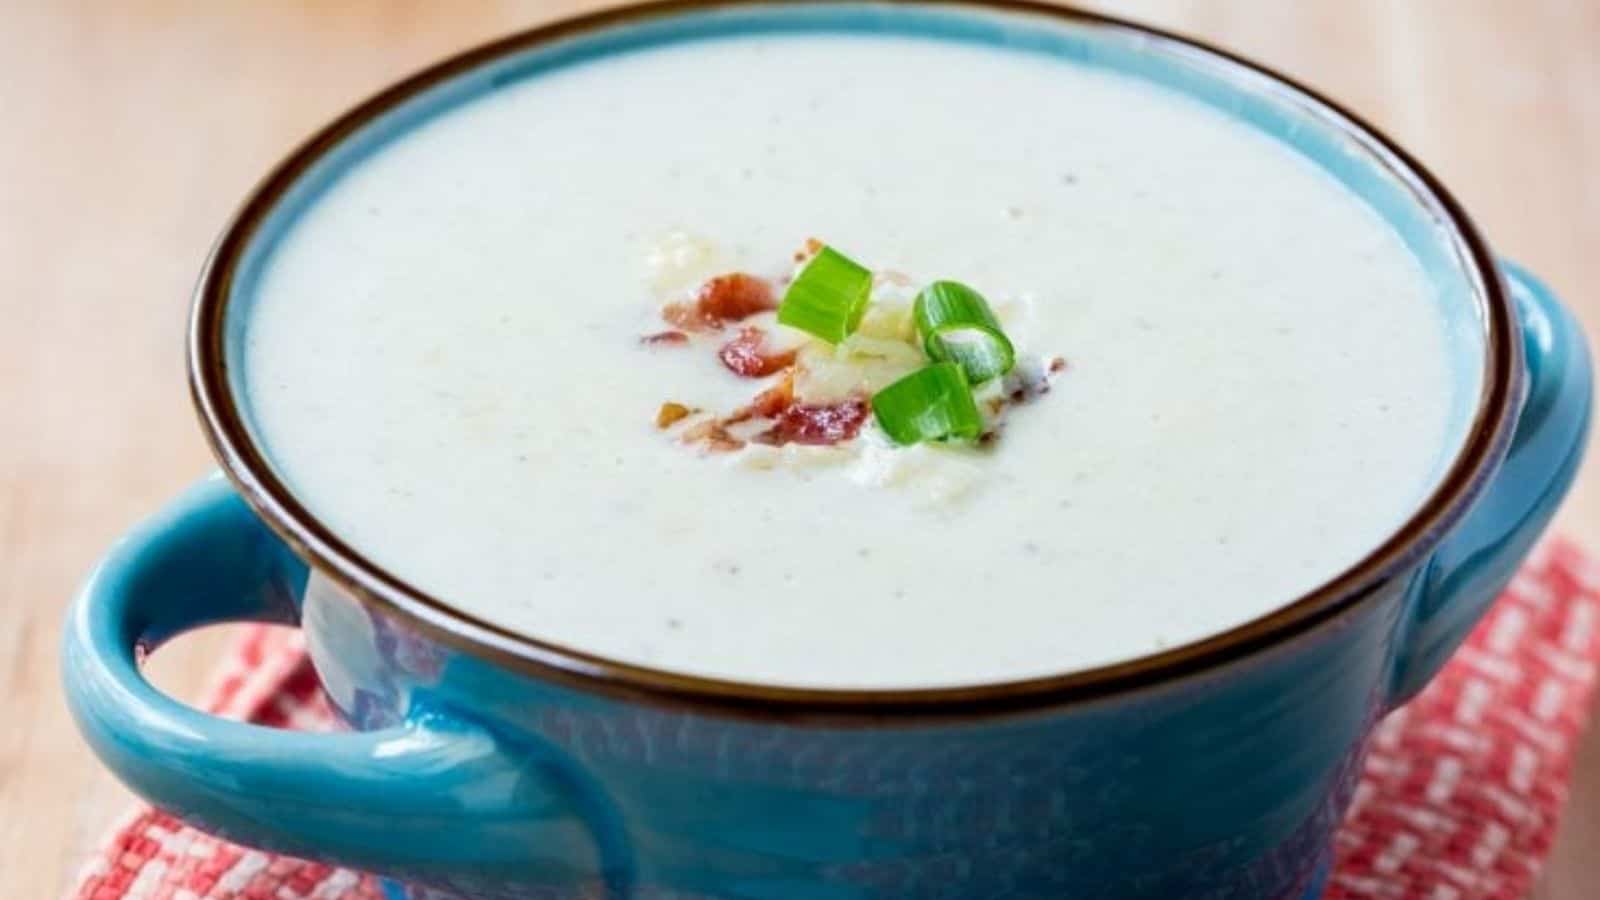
(715, 435)
(725, 298)
(768, 404)
(816, 423)
(811, 248)
(671, 413)
(735, 296)
(1024, 386)
(744, 355)
(665, 337)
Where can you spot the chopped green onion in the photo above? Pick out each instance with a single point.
(956, 324)
(930, 404)
(828, 297)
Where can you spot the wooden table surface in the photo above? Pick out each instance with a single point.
(128, 131)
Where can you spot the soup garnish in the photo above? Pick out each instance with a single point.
(828, 297)
(931, 366)
(956, 324)
(931, 404)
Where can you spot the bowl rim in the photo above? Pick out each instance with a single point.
(1482, 448)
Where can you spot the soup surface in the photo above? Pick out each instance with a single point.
(442, 358)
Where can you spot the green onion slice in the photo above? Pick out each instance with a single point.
(828, 297)
(930, 404)
(957, 325)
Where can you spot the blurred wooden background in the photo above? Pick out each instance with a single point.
(129, 130)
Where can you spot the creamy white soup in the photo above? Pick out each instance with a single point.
(443, 360)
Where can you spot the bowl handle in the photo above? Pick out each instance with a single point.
(414, 798)
(1478, 557)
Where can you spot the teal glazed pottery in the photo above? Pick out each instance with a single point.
(486, 765)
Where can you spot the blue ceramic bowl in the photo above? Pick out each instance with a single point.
(485, 764)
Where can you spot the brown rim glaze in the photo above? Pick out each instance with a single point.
(1485, 443)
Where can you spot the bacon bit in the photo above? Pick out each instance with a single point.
(810, 248)
(816, 424)
(1022, 388)
(665, 337)
(670, 413)
(768, 404)
(715, 435)
(725, 298)
(734, 297)
(743, 355)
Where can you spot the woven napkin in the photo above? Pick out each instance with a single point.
(1459, 800)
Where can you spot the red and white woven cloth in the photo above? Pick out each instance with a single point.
(1459, 800)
